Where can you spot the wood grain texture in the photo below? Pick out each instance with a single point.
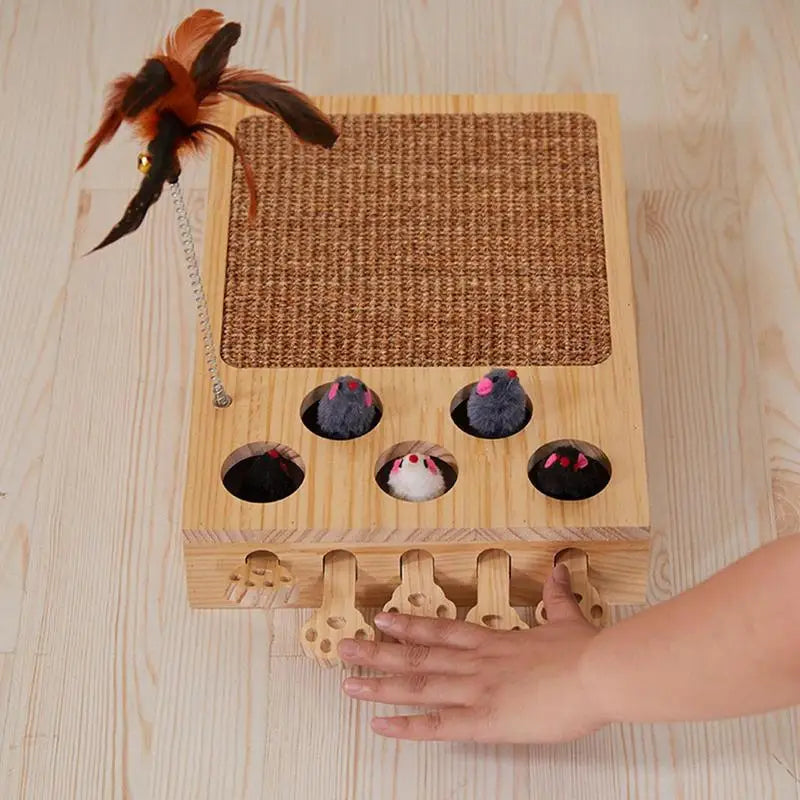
(619, 570)
(115, 687)
(40, 210)
(762, 47)
(492, 607)
(266, 402)
(87, 658)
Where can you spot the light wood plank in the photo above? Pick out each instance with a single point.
(88, 655)
(666, 67)
(39, 206)
(762, 49)
(693, 307)
(6, 670)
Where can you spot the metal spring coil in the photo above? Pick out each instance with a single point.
(221, 397)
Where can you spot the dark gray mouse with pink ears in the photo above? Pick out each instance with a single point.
(347, 409)
(497, 404)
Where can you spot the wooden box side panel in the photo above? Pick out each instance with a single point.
(599, 404)
(619, 571)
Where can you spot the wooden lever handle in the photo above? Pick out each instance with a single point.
(493, 609)
(592, 606)
(337, 618)
(260, 581)
(418, 592)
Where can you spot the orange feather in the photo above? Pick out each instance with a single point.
(186, 41)
(112, 117)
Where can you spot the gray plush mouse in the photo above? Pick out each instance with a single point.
(347, 409)
(497, 404)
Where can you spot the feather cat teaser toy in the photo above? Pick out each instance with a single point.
(170, 101)
(170, 104)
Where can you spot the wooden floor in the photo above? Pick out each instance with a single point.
(109, 686)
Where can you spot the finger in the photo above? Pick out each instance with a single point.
(401, 659)
(416, 689)
(436, 632)
(450, 724)
(559, 601)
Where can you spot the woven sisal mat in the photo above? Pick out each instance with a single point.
(419, 240)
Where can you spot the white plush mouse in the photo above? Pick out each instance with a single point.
(416, 477)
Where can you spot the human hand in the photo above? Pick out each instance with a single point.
(477, 684)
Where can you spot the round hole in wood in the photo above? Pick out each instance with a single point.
(268, 584)
(442, 611)
(491, 620)
(596, 611)
(309, 410)
(263, 472)
(393, 610)
(360, 634)
(325, 645)
(311, 635)
(458, 413)
(578, 597)
(235, 577)
(285, 579)
(417, 599)
(249, 583)
(443, 459)
(337, 623)
(557, 470)
(543, 613)
(259, 571)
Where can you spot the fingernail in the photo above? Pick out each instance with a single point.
(561, 573)
(380, 724)
(348, 647)
(384, 621)
(355, 686)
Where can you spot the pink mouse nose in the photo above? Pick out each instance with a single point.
(352, 385)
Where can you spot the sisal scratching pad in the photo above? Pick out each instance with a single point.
(419, 240)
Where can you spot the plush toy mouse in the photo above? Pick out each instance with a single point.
(347, 409)
(416, 477)
(568, 474)
(497, 404)
(262, 479)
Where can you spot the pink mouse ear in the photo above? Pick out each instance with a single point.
(582, 462)
(551, 459)
(431, 465)
(333, 390)
(396, 465)
(368, 398)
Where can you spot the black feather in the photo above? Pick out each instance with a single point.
(305, 121)
(213, 58)
(164, 168)
(152, 81)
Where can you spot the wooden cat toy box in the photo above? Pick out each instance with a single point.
(439, 238)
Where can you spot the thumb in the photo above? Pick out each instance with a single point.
(559, 602)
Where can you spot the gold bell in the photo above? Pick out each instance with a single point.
(144, 162)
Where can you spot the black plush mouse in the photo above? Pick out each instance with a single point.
(263, 479)
(569, 474)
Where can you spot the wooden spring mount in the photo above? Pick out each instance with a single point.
(493, 609)
(337, 618)
(592, 605)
